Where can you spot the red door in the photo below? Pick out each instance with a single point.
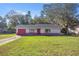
(38, 31)
(21, 31)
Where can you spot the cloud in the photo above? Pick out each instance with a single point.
(21, 12)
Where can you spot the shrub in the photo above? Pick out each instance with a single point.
(64, 30)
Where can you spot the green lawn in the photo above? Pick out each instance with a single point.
(3, 36)
(42, 46)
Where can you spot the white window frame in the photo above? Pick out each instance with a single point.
(49, 30)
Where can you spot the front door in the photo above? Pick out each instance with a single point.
(38, 31)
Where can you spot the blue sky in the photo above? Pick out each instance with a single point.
(35, 8)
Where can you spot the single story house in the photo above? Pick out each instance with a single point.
(38, 29)
(74, 30)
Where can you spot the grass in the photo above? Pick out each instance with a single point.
(42, 46)
(3, 36)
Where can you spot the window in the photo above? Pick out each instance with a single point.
(31, 30)
(47, 30)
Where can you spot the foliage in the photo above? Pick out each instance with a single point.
(64, 30)
(62, 14)
(14, 19)
(3, 24)
(40, 19)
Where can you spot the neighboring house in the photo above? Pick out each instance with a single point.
(75, 30)
(3, 30)
(38, 29)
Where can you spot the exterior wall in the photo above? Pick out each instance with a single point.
(42, 30)
(55, 30)
(27, 30)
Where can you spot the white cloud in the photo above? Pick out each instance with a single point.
(21, 12)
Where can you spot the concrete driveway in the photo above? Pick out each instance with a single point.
(7, 40)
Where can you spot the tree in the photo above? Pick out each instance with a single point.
(61, 14)
(40, 20)
(15, 18)
(28, 18)
(42, 14)
(3, 24)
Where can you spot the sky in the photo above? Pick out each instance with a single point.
(35, 8)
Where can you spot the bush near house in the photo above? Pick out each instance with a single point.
(64, 30)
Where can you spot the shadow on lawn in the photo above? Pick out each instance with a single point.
(53, 35)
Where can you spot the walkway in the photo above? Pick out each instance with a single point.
(4, 41)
